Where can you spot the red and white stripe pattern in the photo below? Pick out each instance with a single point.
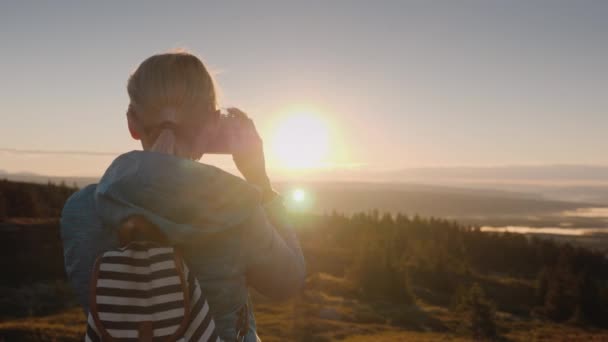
(141, 284)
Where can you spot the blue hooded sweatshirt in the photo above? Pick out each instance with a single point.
(230, 240)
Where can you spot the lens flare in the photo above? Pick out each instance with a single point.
(298, 195)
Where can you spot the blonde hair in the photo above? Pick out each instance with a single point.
(169, 91)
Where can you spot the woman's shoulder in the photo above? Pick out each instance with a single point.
(79, 207)
(81, 199)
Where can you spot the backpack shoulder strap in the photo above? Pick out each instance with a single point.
(242, 323)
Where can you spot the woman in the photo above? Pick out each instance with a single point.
(232, 232)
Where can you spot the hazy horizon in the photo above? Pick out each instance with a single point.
(513, 177)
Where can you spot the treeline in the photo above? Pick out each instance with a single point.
(400, 258)
(18, 199)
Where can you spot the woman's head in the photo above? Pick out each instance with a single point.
(173, 100)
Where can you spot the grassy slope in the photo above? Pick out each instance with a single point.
(321, 315)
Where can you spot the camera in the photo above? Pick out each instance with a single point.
(228, 126)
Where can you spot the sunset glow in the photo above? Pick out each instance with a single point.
(300, 140)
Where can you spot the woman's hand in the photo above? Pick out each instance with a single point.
(248, 152)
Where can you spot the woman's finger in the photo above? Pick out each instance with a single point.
(237, 113)
(247, 136)
(254, 130)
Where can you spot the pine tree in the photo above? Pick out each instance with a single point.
(479, 313)
(3, 207)
(542, 286)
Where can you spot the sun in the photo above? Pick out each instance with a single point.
(300, 140)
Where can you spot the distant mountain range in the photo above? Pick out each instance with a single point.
(551, 174)
(483, 203)
(540, 175)
(581, 183)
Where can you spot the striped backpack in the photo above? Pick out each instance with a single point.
(144, 291)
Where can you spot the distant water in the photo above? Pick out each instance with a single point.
(546, 230)
(589, 213)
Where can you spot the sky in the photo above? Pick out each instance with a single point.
(399, 84)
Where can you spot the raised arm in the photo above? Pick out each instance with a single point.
(275, 264)
(274, 259)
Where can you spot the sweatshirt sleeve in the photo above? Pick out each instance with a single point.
(83, 240)
(274, 259)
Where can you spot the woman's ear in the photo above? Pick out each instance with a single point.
(134, 134)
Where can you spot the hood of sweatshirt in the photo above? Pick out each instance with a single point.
(181, 196)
